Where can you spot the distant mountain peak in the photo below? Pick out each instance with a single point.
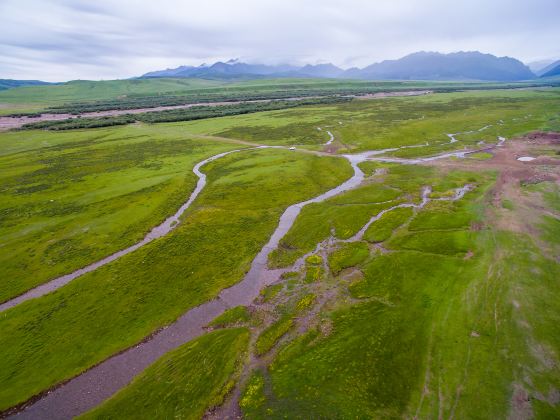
(461, 65)
(551, 70)
(420, 65)
(11, 83)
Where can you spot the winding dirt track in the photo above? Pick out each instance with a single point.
(92, 387)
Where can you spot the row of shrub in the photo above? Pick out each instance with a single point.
(174, 115)
(266, 93)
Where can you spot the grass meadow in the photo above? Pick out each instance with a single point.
(117, 305)
(430, 310)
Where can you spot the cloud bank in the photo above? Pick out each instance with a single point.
(58, 40)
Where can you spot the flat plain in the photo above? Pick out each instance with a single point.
(430, 282)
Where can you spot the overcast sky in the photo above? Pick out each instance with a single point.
(58, 40)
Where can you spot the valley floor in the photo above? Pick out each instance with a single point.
(400, 262)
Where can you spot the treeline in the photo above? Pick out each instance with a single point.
(264, 93)
(175, 115)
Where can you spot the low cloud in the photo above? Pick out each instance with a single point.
(60, 40)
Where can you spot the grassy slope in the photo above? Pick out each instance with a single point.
(429, 320)
(184, 383)
(69, 200)
(119, 304)
(38, 97)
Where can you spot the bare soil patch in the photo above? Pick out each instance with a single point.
(512, 175)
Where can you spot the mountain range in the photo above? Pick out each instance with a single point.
(461, 66)
(417, 66)
(10, 83)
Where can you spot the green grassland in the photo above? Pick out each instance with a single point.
(430, 331)
(440, 309)
(383, 228)
(269, 336)
(83, 95)
(348, 255)
(184, 383)
(286, 316)
(375, 124)
(121, 303)
(69, 200)
(390, 122)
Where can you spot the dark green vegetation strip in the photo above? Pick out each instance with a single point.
(174, 115)
(87, 96)
(185, 383)
(68, 200)
(121, 303)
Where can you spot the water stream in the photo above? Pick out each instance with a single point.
(100, 382)
(157, 232)
(92, 387)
